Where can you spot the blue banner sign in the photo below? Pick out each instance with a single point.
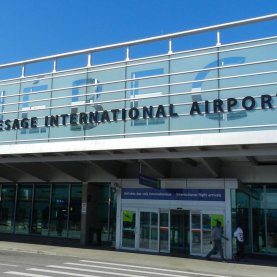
(174, 194)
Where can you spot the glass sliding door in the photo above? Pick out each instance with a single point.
(129, 218)
(180, 231)
(209, 221)
(140, 229)
(201, 231)
(164, 231)
(206, 233)
(148, 230)
(196, 236)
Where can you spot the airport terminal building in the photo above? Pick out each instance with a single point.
(143, 153)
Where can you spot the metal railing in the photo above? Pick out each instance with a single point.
(127, 45)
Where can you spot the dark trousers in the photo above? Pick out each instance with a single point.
(240, 250)
(217, 247)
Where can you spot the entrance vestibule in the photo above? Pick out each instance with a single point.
(174, 231)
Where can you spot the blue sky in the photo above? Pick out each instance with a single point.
(35, 28)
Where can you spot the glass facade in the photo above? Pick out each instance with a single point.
(41, 209)
(256, 211)
(264, 218)
(241, 216)
(105, 212)
(210, 90)
(216, 89)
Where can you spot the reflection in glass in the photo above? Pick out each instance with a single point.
(59, 211)
(40, 219)
(180, 231)
(258, 219)
(30, 212)
(149, 230)
(264, 219)
(240, 216)
(7, 208)
(164, 231)
(206, 233)
(74, 223)
(23, 209)
(271, 218)
(196, 233)
(128, 228)
(144, 230)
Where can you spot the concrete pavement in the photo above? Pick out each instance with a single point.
(265, 269)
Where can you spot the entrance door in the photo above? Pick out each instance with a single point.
(149, 230)
(196, 234)
(201, 230)
(164, 231)
(140, 229)
(129, 228)
(179, 231)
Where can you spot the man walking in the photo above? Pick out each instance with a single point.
(238, 234)
(217, 243)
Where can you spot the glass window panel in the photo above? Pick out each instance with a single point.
(67, 132)
(206, 233)
(102, 224)
(180, 231)
(234, 72)
(258, 219)
(100, 98)
(92, 86)
(23, 209)
(271, 219)
(154, 231)
(194, 60)
(113, 205)
(9, 98)
(196, 233)
(192, 88)
(149, 86)
(74, 223)
(7, 204)
(229, 61)
(106, 83)
(196, 122)
(128, 228)
(59, 211)
(40, 220)
(70, 99)
(67, 79)
(35, 101)
(105, 127)
(251, 54)
(148, 230)
(35, 94)
(241, 216)
(144, 230)
(164, 231)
